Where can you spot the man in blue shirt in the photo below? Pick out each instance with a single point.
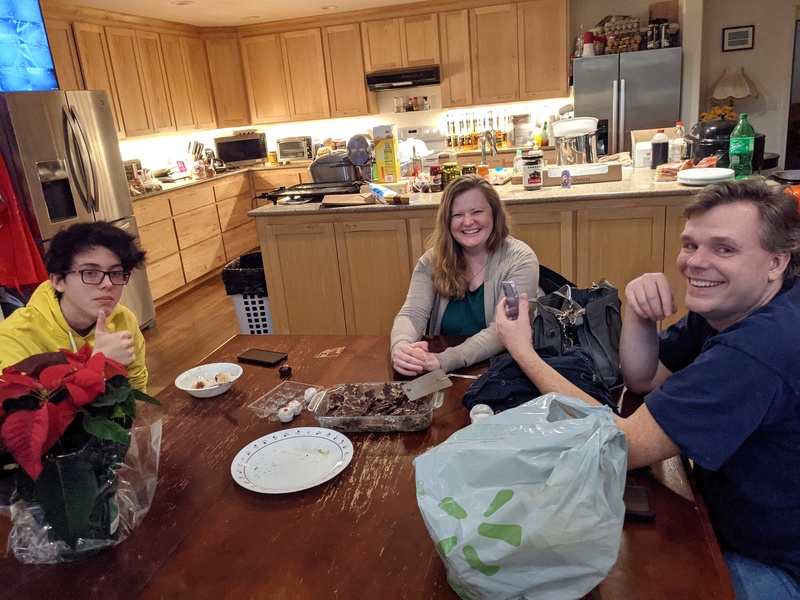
(722, 384)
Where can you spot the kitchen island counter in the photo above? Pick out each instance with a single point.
(346, 270)
(635, 183)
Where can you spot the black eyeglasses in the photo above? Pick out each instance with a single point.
(95, 277)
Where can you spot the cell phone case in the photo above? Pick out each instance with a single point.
(512, 299)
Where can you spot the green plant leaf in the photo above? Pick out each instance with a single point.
(105, 429)
(140, 395)
(67, 490)
(112, 396)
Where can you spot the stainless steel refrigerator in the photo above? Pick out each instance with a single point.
(628, 91)
(63, 157)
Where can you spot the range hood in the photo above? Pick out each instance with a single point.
(403, 78)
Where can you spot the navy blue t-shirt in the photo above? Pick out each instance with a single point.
(733, 406)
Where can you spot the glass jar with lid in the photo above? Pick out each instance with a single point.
(450, 171)
(469, 169)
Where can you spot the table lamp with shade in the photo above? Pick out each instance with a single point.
(733, 85)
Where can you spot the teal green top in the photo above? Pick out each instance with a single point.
(466, 316)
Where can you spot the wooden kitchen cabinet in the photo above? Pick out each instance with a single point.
(549, 233)
(233, 200)
(344, 70)
(543, 56)
(302, 272)
(419, 40)
(158, 239)
(265, 78)
(126, 67)
(304, 67)
(374, 271)
(495, 63)
(382, 45)
(155, 81)
(90, 41)
(176, 73)
(456, 65)
(675, 222)
(271, 179)
(227, 80)
(400, 42)
(165, 275)
(194, 197)
(203, 258)
(65, 54)
(195, 62)
(197, 226)
(419, 229)
(600, 252)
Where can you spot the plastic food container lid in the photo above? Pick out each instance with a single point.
(573, 127)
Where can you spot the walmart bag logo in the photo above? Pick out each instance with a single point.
(510, 534)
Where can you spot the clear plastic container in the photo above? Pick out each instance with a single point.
(352, 407)
(268, 405)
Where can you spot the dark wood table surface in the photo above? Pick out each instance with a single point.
(358, 536)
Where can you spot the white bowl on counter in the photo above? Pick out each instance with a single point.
(206, 374)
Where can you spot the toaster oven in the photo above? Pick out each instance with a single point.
(295, 148)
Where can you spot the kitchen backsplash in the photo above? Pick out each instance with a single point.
(157, 151)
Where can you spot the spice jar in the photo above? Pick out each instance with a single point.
(436, 178)
(450, 171)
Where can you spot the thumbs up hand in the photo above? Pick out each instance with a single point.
(116, 346)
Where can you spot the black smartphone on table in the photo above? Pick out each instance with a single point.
(638, 506)
(267, 358)
(512, 299)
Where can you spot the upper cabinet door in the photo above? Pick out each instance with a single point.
(128, 76)
(265, 78)
(155, 81)
(90, 41)
(419, 40)
(382, 45)
(305, 70)
(344, 69)
(543, 56)
(195, 62)
(456, 59)
(65, 54)
(493, 32)
(227, 81)
(178, 80)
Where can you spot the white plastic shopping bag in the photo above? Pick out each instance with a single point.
(527, 503)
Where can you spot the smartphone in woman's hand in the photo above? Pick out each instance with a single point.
(512, 299)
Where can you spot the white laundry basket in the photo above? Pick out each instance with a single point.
(245, 284)
(252, 313)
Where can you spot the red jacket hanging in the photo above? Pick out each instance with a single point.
(20, 261)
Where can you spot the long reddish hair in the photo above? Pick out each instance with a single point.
(450, 274)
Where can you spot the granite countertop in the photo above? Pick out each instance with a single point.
(635, 183)
(186, 183)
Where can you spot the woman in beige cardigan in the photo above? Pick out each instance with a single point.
(455, 286)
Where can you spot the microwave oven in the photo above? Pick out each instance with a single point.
(242, 149)
(295, 148)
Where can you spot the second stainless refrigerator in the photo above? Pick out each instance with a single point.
(632, 90)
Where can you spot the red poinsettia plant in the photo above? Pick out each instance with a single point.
(43, 395)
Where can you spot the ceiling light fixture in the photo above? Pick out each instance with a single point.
(328, 7)
(182, 2)
(251, 18)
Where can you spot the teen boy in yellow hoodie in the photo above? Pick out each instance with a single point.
(89, 264)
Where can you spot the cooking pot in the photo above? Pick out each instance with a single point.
(575, 140)
(711, 138)
(787, 177)
(332, 168)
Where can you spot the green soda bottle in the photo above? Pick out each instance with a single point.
(740, 148)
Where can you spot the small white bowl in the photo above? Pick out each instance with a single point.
(184, 381)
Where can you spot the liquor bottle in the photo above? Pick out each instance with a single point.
(740, 148)
(660, 152)
(545, 137)
(677, 145)
(448, 138)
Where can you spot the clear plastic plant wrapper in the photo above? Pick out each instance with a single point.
(114, 490)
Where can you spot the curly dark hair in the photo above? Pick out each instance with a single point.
(78, 238)
(779, 226)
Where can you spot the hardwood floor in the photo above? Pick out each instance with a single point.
(188, 328)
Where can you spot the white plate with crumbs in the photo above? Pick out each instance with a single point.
(292, 460)
(704, 176)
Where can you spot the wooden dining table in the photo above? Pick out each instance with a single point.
(357, 536)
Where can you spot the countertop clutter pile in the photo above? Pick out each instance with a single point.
(615, 34)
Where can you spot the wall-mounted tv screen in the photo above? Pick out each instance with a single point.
(25, 60)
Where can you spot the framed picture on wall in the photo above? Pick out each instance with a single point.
(738, 38)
